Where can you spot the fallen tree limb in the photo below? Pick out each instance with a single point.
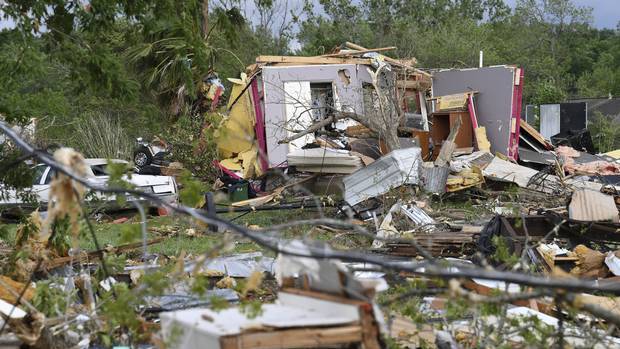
(319, 125)
(60, 261)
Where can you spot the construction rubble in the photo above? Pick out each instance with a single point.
(435, 166)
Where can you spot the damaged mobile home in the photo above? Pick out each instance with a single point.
(299, 111)
(338, 113)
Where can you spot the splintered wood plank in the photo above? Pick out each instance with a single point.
(359, 52)
(311, 60)
(535, 134)
(60, 261)
(449, 145)
(294, 338)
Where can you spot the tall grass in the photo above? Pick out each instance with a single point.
(100, 136)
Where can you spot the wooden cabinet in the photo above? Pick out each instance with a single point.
(442, 122)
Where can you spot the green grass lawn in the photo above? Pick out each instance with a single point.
(115, 234)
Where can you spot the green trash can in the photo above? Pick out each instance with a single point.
(238, 191)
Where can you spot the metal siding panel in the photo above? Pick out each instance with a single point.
(494, 99)
(549, 120)
(589, 205)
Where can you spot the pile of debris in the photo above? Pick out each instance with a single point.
(395, 138)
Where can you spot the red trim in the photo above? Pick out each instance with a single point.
(517, 98)
(473, 116)
(216, 98)
(259, 127)
(472, 111)
(225, 170)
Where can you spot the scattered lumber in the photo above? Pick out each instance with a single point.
(439, 244)
(361, 48)
(359, 52)
(312, 60)
(97, 254)
(261, 200)
(389, 59)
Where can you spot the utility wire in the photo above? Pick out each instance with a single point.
(447, 270)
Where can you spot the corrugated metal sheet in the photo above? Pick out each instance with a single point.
(433, 179)
(397, 168)
(592, 206)
(418, 216)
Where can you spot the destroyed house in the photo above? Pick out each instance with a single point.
(299, 111)
(319, 113)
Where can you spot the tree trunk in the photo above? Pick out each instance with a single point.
(205, 18)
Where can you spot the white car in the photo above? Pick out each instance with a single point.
(164, 187)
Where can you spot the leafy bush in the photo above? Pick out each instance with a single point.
(99, 136)
(193, 145)
(605, 132)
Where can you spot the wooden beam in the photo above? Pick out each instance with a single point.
(311, 60)
(413, 84)
(535, 134)
(60, 261)
(357, 52)
(294, 338)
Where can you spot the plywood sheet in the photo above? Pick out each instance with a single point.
(203, 328)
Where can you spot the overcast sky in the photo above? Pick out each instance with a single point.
(606, 13)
